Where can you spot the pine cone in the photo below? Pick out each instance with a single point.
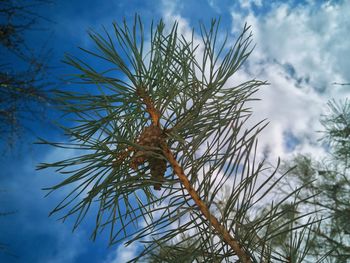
(158, 168)
(151, 136)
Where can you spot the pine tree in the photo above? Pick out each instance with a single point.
(329, 181)
(162, 136)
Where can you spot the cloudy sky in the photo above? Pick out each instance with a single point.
(302, 48)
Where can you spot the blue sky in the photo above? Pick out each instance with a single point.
(302, 47)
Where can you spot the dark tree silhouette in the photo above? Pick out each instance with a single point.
(23, 70)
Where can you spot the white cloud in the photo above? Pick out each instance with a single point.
(30, 224)
(289, 56)
(312, 41)
(248, 3)
(215, 5)
(122, 254)
(301, 51)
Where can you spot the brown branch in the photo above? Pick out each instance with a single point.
(150, 108)
(225, 235)
(220, 229)
(155, 117)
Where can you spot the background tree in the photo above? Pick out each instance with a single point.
(329, 181)
(23, 70)
(160, 138)
(23, 77)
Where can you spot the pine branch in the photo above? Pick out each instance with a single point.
(175, 123)
(221, 230)
(151, 109)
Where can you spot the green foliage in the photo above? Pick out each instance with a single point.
(204, 122)
(337, 130)
(329, 182)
